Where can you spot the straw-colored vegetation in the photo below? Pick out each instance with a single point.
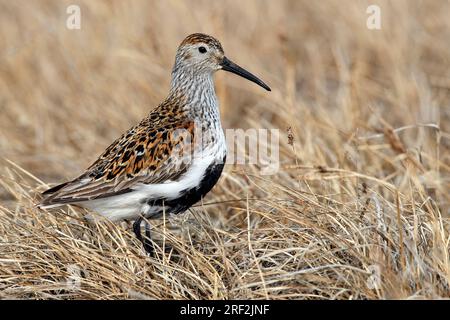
(363, 185)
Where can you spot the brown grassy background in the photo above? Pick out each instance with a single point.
(365, 185)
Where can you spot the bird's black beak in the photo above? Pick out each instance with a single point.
(230, 66)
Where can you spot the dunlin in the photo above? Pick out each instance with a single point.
(159, 166)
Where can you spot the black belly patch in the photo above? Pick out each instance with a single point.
(190, 196)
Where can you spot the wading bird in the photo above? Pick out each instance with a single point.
(168, 161)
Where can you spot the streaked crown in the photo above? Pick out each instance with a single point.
(201, 38)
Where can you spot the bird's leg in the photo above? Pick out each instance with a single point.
(147, 242)
(137, 228)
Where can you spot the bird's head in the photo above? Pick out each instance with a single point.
(201, 53)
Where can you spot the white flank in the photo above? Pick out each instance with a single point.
(133, 204)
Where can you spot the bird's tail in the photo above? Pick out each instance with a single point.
(49, 195)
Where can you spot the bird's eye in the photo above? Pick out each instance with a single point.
(202, 49)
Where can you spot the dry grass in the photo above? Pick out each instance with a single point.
(364, 187)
